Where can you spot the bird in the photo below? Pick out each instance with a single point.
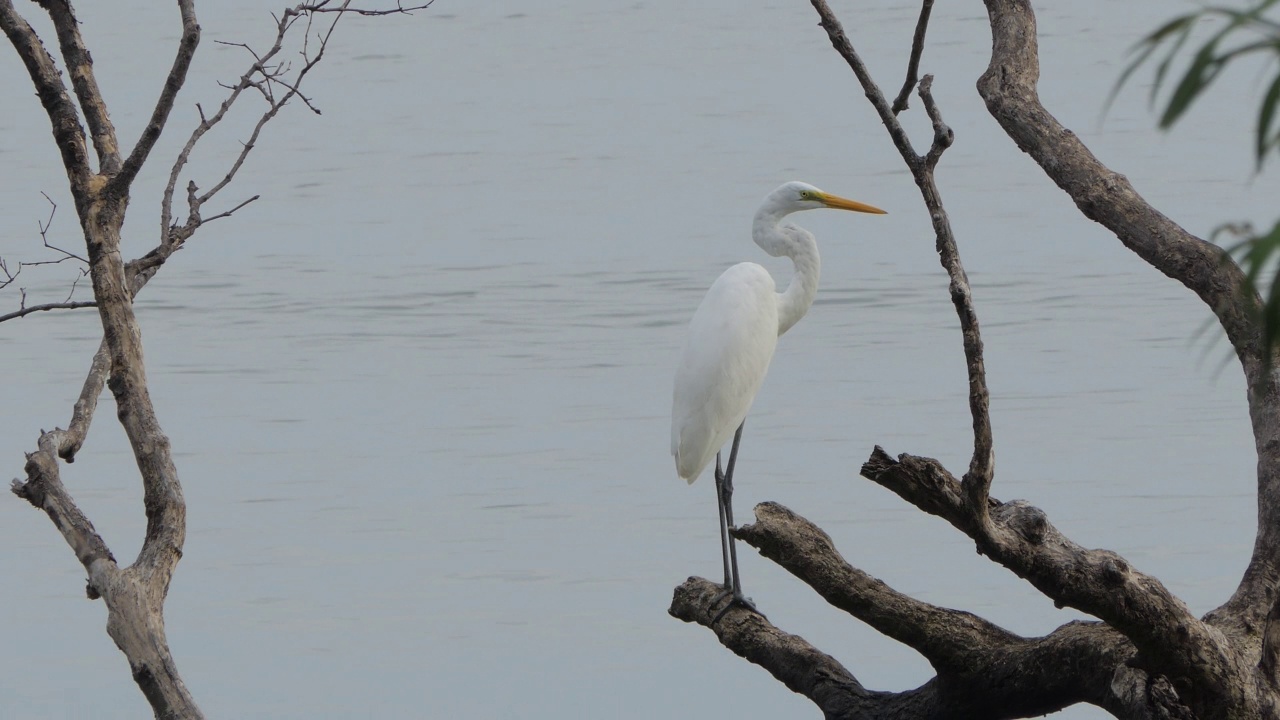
(730, 343)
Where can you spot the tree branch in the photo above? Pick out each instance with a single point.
(8, 277)
(82, 415)
(913, 65)
(44, 490)
(983, 671)
(1007, 541)
(67, 133)
(80, 67)
(27, 310)
(793, 661)
(119, 184)
(948, 638)
(981, 466)
(1100, 582)
(262, 75)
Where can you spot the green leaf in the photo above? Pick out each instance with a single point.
(1255, 254)
(1266, 116)
(1204, 68)
(1163, 67)
(1144, 49)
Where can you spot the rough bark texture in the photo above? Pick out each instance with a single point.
(1149, 656)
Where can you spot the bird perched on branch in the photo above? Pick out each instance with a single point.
(731, 341)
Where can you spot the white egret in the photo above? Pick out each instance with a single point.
(731, 341)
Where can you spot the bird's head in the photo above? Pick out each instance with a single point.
(794, 196)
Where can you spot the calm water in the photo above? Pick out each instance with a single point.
(419, 393)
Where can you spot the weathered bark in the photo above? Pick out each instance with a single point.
(983, 670)
(80, 68)
(1149, 657)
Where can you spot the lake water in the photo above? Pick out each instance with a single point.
(419, 393)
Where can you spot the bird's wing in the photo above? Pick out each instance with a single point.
(731, 341)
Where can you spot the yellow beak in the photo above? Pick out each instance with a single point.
(839, 203)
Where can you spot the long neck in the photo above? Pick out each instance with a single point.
(778, 238)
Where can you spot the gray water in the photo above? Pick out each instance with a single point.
(419, 393)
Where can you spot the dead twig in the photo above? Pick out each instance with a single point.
(913, 65)
(27, 310)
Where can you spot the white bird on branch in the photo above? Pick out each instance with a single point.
(731, 341)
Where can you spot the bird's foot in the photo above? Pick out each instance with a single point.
(734, 598)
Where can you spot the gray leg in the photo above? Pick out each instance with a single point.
(724, 492)
(724, 528)
(727, 500)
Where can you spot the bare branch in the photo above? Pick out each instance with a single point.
(326, 7)
(263, 75)
(981, 465)
(1099, 582)
(44, 490)
(943, 136)
(793, 661)
(983, 671)
(229, 213)
(82, 415)
(119, 184)
(948, 638)
(27, 310)
(44, 235)
(872, 91)
(10, 276)
(80, 67)
(913, 65)
(72, 292)
(67, 133)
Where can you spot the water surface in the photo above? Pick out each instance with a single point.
(419, 393)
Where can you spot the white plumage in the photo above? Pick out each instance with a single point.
(731, 341)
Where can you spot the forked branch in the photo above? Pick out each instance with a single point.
(119, 184)
(913, 64)
(981, 466)
(79, 66)
(274, 80)
(9, 275)
(67, 133)
(983, 671)
(1099, 582)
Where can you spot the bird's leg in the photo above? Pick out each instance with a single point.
(727, 494)
(724, 528)
(725, 540)
(724, 490)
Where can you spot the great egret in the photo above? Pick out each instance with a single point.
(731, 341)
